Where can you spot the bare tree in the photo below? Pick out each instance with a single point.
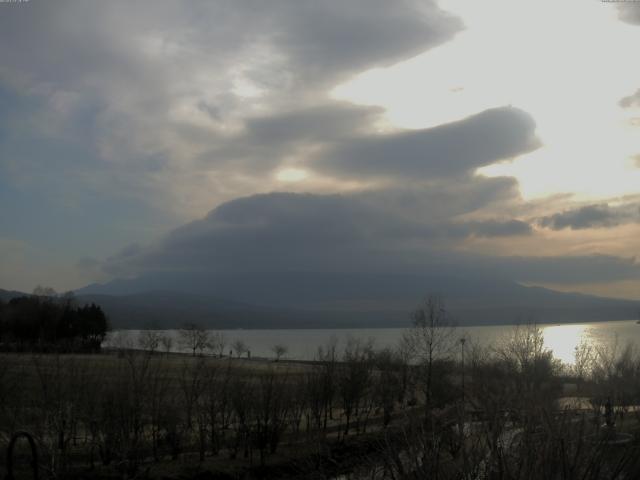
(403, 354)
(194, 337)
(41, 291)
(387, 382)
(530, 373)
(270, 412)
(583, 360)
(242, 396)
(217, 342)
(157, 402)
(59, 395)
(354, 380)
(431, 338)
(193, 385)
(167, 342)
(328, 358)
(528, 357)
(68, 299)
(240, 347)
(212, 407)
(614, 374)
(120, 340)
(279, 351)
(149, 340)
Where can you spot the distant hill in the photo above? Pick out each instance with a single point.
(170, 310)
(316, 300)
(6, 295)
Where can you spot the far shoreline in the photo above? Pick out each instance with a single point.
(399, 327)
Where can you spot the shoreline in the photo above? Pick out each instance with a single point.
(457, 326)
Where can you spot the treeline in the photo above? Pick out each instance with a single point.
(48, 323)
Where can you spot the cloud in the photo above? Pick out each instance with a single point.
(340, 140)
(325, 42)
(87, 263)
(271, 232)
(120, 119)
(266, 141)
(302, 231)
(447, 150)
(133, 61)
(154, 98)
(284, 232)
(329, 121)
(632, 100)
(592, 216)
(498, 228)
(562, 269)
(629, 12)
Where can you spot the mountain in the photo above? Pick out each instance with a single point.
(158, 309)
(315, 300)
(6, 295)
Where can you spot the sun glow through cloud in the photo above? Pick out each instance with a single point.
(292, 175)
(569, 75)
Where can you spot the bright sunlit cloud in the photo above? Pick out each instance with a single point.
(566, 63)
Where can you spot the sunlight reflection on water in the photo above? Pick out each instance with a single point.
(563, 340)
(303, 343)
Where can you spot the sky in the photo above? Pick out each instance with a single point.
(347, 136)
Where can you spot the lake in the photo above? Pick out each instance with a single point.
(302, 344)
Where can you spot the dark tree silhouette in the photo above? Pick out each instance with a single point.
(45, 323)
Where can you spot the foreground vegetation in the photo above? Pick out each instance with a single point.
(435, 407)
(46, 322)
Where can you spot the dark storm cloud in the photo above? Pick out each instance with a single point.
(442, 151)
(292, 232)
(275, 231)
(592, 216)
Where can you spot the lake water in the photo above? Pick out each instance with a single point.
(302, 344)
